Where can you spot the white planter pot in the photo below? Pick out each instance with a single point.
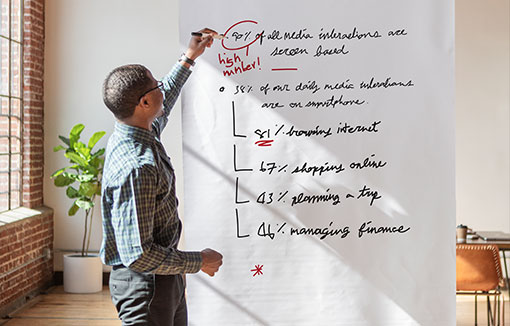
(82, 274)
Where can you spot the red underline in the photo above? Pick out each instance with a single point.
(279, 69)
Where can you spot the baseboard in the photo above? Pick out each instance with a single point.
(22, 301)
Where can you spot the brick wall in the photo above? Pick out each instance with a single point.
(33, 72)
(23, 269)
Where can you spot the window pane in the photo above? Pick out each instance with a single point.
(15, 145)
(15, 20)
(4, 166)
(16, 162)
(5, 106)
(4, 145)
(3, 202)
(4, 19)
(4, 66)
(15, 199)
(15, 181)
(4, 187)
(15, 127)
(15, 69)
(15, 107)
(4, 126)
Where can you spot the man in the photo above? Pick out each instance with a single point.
(141, 227)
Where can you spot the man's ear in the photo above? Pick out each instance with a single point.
(144, 102)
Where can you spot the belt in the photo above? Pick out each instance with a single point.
(115, 267)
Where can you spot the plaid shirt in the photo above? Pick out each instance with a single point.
(141, 226)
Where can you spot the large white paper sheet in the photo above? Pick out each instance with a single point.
(319, 160)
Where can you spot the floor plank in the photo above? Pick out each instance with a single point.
(60, 308)
(61, 322)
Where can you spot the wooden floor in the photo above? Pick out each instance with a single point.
(58, 308)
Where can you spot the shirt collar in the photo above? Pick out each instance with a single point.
(140, 134)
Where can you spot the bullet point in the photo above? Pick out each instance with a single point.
(222, 89)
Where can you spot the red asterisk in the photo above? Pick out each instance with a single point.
(258, 270)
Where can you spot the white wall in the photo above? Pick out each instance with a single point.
(482, 109)
(86, 39)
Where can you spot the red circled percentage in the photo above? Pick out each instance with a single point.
(244, 46)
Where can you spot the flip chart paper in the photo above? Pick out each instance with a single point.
(319, 160)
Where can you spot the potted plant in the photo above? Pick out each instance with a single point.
(82, 180)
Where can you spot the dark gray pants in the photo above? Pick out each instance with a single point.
(148, 299)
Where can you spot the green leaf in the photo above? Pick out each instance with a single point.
(87, 189)
(71, 175)
(76, 158)
(85, 204)
(92, 170)
(71, 192)
(65, 140)
(83, 151)
(95, 138)
(75, 167)
(85, 177)
(95, 162)
(75, 133)
(62, 180)
(56, 173)
(98, 153)
(58, 148)
(78, 144)
(72, 211)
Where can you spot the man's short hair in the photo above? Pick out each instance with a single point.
(122, 89)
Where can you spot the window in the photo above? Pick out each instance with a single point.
(11, 96)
